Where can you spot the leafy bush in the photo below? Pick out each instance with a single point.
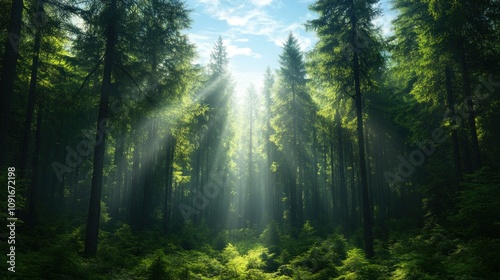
(356, 266)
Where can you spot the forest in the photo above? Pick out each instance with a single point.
(365, 157)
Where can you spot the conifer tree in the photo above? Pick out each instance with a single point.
(349, 56)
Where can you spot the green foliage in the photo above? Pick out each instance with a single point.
(321, 260)
(121, 242)
(432, 254)
(246, 266)
(244, 239)
(479, 197)
(356, 266)
(467, 248)
(270, 237)
(193, 237)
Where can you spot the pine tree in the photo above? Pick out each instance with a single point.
(214, 132)
(11, 53)
(92, 232)
(349, 55)
(270, 149)
(291, 117)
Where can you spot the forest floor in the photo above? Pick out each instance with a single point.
(251, 254)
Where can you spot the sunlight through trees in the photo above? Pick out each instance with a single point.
(362, 155)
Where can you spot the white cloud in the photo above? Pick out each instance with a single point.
(233, 50)
(233, 15)
(261, 2)
(252, 18)
(245, 21)
(205, 43)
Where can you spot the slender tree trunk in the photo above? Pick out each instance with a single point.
(454, 136)
(335, 205)
(31, 95)
(381, 188)
(270, 152)
(119, 162)
(127, 188)
(92, 231)
(270, 178)
(167, 204)
(135, 190)
(148, 164)
(324, 218)
(33, 189)
(315, 187)
(198, 167)
(300, 192)
(9, 74)
(343, 188)
(76, 190)
(466, 151)
(476, 152)
(367, 213)
(253, 211)
(354, 191)
(293, 185)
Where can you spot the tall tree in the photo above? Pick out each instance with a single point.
(350, 54)
(465, 29)
(92, 231)
(270, 186)
(291, 114)
(32, 89)
(212, 152)
(343, 187)
(440, 34)
(9, 65)
(253, 210)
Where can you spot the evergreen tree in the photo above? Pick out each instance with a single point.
(213, 127)
(9, 63)
(270, 149)
(291, 116)
(350, 54)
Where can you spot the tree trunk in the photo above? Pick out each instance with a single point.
(148, 166)
(354, 191)
(31, 96)
(167, 204)
(92, 230)
(119, 162)
(476, 152)
(367, 218)
(33, 189)
(315, 187)
(135, 188)
(9, 74)
(253, 211)
(454, 136)
(335, 205)
(293, 183)
(343, 189)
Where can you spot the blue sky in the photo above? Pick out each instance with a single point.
(254, 32)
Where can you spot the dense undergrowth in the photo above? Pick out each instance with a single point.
(463, 244)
